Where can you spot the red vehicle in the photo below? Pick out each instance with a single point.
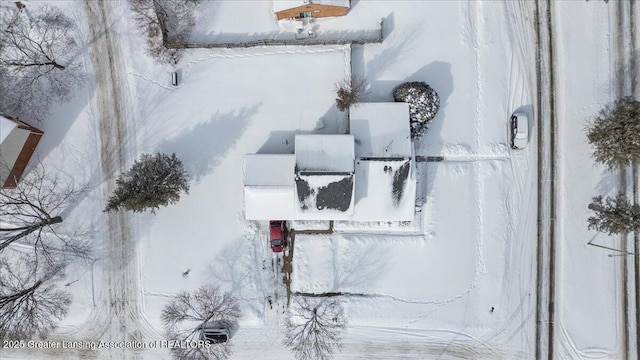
(278, 234)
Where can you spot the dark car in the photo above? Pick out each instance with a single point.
(213, 333)
(277, 235)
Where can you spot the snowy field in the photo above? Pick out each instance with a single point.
(588, 318)
(459, 281)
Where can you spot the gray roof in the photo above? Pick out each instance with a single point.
(324, 193)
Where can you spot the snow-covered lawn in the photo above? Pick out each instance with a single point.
(589, 283)
(461, 277)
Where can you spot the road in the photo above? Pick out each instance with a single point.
(118, 314)
(546, 118)
(626, 84)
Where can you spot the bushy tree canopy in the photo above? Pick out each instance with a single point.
(615, 134)
(153, 181)
(614, 215)
(424, 104)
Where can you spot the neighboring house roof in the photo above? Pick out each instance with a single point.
(6, 126)
(381, 129)
(280, 5)
(18, 142)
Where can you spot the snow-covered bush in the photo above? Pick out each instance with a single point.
(424, 104)
(153, 181)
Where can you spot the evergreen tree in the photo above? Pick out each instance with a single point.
(153, 181)
(614, 215)
(615, 134)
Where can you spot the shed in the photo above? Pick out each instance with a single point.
(18, 141)
(299, 9)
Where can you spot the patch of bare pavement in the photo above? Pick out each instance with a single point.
(117, 316)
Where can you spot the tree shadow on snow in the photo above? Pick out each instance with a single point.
(203, 147)
(362, 265)
(231, 268)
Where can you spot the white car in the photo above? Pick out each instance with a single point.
(519, 131)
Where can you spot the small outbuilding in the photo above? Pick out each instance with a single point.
(18, 141)
(302, 9)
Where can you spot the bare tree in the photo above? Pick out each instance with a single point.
(188, 312)
(314, 327)
(614, 215)
(33, 211)
(164, 21)
(615, 134)
(30, 301)
(39, 60)
(32, 215)
(351, 91)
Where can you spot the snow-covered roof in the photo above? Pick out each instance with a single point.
(280, 5)
(385, 190)
(6, 126)
(324, 153)
(381, 129)
(269, 202)
(327, 196)
(269, 192)
(366, 176)
(269, 169)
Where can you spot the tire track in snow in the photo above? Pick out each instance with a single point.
(626, 84)
(118, 315)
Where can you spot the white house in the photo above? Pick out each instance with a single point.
(367, 175)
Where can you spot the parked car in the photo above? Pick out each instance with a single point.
(519, 131)
(213, 333)
(278, 235)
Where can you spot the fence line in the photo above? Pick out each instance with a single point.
(262, 42)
